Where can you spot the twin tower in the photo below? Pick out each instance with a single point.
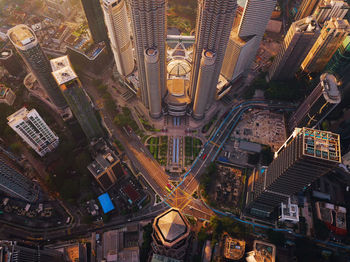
(149, 25)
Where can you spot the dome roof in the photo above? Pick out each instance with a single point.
(179, 67)
(171, 225)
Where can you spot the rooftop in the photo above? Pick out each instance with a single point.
(59, 63)
(233, 248)
(160, 258)
(330, 90)
(171, 226)
(106, 203)
(5, 53)
(20, 114)
(64, 75)
(21, 35)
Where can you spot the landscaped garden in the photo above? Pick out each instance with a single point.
(158, 146)
(192, 148)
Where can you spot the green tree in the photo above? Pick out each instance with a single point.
(276, 238)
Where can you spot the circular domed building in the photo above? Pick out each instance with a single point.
(171, 234)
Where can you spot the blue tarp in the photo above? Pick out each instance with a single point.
(106, 203)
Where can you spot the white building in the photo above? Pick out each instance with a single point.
(33, 130)
(118, 27)
(289, 212)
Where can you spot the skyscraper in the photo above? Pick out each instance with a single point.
(171, 234)
(27, 45)
(298, 41)
(214, 23)
(322, 100)
(237, 52)
(255, 17)
(117, 23)
(149, 30)
(306, 8)
(339, 65)
(245, 39)
(94, 16)
(76, 97)
(14, 183)
(33, 130)
(306, 155)
(11, 62)
(332, 35)
(326, 9)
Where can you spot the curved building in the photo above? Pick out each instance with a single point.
(117, 23)
(203, 94)
(149, 31)
(152, 70)
(317, 106)
(214, 24)
(171, 232)
(27, 45)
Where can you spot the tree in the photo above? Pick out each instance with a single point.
(266, 155)
(321, 230)
(276, 238)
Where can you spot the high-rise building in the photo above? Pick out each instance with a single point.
(306, 8)
(6, 95)
(327, 9)
(298, 41)
(238, 50)
(118, 26)
(255, 17)
(339, 65)
(11, 62)
(149, 31)
(33, 130)
(245, 39)
(14, 183)
(332, 35)
(307, 155)
(171, 234)
(76, 97)
(19, 252)
(322, 100)
(94, 17)
(27, 45)
(214, 24)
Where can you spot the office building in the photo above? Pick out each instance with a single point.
(118, 27)
(316, 107)
(33, 130)
(10, 61)
(209, 50)
(245, 39)
(307, 155)
(76, 97)
(327, 9)
(339, 65)
(94, 17)
(19, 252)
(149, 31)
(27, 45)
(306, 9)
(238, 51)
(7, 96)
(298, 41)
(14, 183)
(171, 234)
(255, 17)
(332, 36)
(106, 167)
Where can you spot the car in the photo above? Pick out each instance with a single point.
(169, 186)
(204, 156)
(167, 189)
